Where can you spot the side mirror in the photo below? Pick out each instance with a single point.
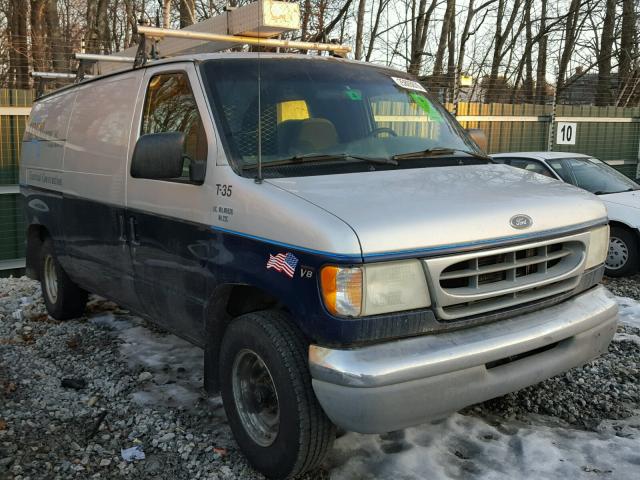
(479, 137)
(158, 156)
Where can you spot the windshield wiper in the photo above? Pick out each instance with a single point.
(312, 158)
(432, 152)
(600, 192)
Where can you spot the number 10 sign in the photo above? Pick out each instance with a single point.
(566, 133)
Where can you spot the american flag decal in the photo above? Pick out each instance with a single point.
(285, 263)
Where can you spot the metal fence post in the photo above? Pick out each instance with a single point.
(552, 121)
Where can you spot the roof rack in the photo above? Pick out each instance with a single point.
(154, 32)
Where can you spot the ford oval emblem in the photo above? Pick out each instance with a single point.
(521, 221)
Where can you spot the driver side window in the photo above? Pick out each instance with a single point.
(171, 107)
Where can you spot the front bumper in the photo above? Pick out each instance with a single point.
(394, 385)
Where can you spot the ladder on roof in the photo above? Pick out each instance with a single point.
(260, 23)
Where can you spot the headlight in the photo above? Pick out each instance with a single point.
(374, 289)
(598, 247)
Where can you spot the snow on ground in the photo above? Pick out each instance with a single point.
(473, 448)
(629, 311)
(460, 446)
(173, 365)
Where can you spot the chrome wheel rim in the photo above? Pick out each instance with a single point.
(618, 254)
(255, 397)
(51, 278)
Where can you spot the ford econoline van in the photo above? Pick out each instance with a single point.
(342, 250)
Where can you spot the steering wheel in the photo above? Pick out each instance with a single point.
(378, 130)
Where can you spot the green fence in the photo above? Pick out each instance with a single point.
(13, 116)
(609, 133)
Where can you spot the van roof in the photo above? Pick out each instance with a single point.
(201, 57)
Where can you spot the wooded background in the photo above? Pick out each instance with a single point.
(523, 49)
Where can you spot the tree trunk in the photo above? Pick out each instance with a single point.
(465, 35)
(58, 53)
(306, 15)
(92, 36)
(501, 48)
(570, 36)
(541, 70)
(420, 29)
(37, 26)
(187, 13)
(603, 91)
(359, 30)
(528, 63)
(447, 22)
(166, 13)
(627, 44)
(102, 26)
(374, 31)
(18, 54)
(452, 74)
(131, 23)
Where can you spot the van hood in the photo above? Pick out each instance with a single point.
(396, 211)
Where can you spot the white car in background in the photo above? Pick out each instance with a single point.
(620, 195)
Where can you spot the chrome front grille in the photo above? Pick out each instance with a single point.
(485, 281)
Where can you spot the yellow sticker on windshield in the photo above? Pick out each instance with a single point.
(292, 110)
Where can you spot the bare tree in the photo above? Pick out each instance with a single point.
(359, 29)
(187, 13)
(603, 91)
(420, 18)
(541, 68)
(503, 42)
(628, 44)
(18, 53)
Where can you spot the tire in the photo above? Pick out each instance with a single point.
(63, 298)
(303, 434)
(622, 259)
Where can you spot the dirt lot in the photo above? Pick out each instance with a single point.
(74, 394)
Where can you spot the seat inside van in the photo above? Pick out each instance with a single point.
(309, 135)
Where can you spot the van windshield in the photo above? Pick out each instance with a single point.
(326, 110)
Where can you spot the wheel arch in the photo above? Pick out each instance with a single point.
(226, 303)
(35, 237)
(626, 226)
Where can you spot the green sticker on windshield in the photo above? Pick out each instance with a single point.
(426, 105)
(353, 94)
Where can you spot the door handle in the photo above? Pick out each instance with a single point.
(133, 234)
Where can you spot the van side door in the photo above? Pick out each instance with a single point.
(95, 162)
(169, 219)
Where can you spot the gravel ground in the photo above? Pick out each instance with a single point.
(73, 394)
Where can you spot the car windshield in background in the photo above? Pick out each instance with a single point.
(592, 174)
(329, 111)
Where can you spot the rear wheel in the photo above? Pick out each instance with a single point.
(622, 259)
(63, 298)
(268, 397)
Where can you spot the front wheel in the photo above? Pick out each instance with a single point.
(63, 298)
(267, 394)
(622, 259)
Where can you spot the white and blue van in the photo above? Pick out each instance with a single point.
(337, 244)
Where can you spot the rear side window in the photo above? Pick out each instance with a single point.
(171, 107)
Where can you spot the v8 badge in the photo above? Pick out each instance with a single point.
(306, 272)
